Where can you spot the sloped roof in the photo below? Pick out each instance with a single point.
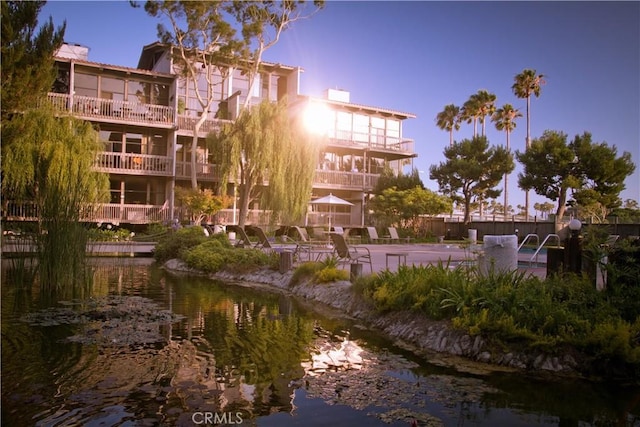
(155, 46)
(115, 67)
(367, 108)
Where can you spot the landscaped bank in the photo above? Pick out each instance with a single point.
(415, 330)
(561, 325)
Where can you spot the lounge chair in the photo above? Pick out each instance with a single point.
(394, 237)
(350, 254)
(339, 230)
(242, 239)
(311, 248)
(373, 236)
(268, 245)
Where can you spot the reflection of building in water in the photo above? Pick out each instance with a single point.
(331, 358)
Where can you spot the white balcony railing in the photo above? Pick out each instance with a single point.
(140, 164)
(205, 171)
(372, 141)
(103, 212)
(188, 123)
(345, 180)
(98, 108)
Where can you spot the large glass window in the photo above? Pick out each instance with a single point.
(343, 125)
(136, 92)
(361, 128)
(159, 94)
(86, 85)
(112, 140)
(393, 131)
(378, 130)
(111, 88)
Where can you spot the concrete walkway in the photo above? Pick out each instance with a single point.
(432, 253)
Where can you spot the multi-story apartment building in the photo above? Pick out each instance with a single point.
(146, 119)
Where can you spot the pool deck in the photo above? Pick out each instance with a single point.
(383, 256)
(432, 253)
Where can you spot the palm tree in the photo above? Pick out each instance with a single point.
(527, 83)
(486, 106)
(504, 119)
(470, 113)
(449, 119)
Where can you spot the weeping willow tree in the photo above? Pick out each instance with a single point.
(265, 146)
(49, 160)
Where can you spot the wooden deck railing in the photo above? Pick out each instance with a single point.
(103, 212)
(116, 213)
(98, 108)
(372, 141)
(188, 123)
(345, 180)
(204, 171)
(141, 164)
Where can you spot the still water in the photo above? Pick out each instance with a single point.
(144, 348)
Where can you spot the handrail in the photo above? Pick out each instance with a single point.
(527, 238)
(535, 254)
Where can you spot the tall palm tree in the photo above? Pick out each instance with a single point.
(504, 119)
(527, 83)
(470, 113)
(486, 106)
(449, 120)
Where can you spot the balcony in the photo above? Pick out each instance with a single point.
(390, 147)
(345, 180)
(114, 111)
(188, 124)
(133, 163)
(114, 213)
(204, 171)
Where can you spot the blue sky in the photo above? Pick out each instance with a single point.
(419, 56)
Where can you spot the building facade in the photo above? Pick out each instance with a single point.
(146, 118)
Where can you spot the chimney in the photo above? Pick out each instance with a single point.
(73, 51)
(337, 95)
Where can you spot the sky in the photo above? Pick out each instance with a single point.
(418, 56)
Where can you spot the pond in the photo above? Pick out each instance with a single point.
(144, 348)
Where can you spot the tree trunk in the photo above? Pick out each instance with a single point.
(506, 179)
(562, 200)
(467, 209)
(244, 205)
(194, 149)
(527, 145)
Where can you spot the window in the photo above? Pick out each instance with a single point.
(393, 131)
(378, 130)
(110, 86)
(343, 125)
(136, 92)
(361, 128)
(86, 85)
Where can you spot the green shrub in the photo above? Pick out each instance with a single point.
(172, 245)
(413, 287)
(615, 340)
(112, 235)
(511, 307)
(330, 274)
(216, 254)
(623, 278)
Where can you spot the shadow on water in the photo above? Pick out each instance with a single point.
(225, 354)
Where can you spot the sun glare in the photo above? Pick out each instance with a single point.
(317, 118)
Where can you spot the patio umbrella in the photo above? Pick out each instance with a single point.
(331, 201)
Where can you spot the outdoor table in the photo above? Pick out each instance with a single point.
(402, 257)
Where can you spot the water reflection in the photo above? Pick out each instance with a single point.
(246, 355)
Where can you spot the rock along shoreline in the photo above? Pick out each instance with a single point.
(436, 340)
